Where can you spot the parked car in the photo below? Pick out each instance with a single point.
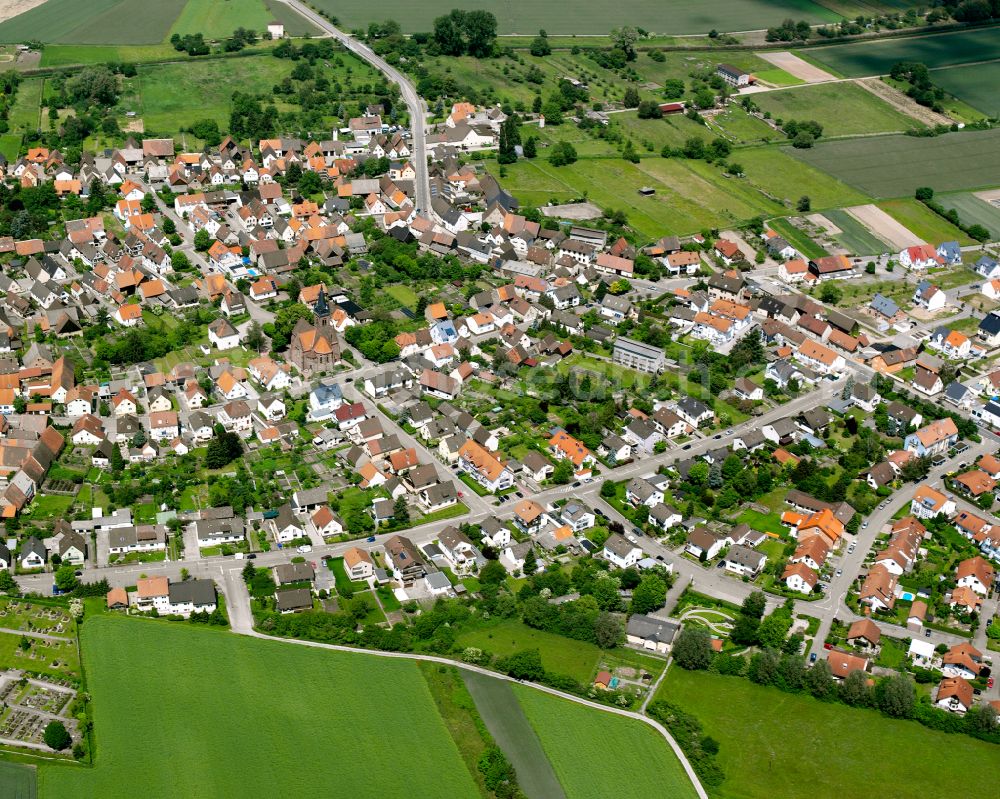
(812, 658)
(840, 572)
(576, 484)
(828, 646)
(370, 539)
(927, 633)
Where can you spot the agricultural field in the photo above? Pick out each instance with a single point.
(862, 59)
(769, 739)
(855, 236)
(895, 166)
(973, 210)
(797, 238)
(843, 109)
(923, 222)
(509, 726)
(340, 702)
(638, 765)
(216, 20)
(975, 85)
(590, 16)
(94, 22)
(17, 781)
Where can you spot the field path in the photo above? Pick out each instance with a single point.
(512, 731)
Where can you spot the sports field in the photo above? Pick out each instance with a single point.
(877, 57)
(843, 109)
(895, 166)
(94, 22)
(185, 711)
(510, 728)
(789, 745)
(973, 210)
(589, 16)
(855, 236)
(598, 755)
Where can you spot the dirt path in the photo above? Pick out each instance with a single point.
(902, 103)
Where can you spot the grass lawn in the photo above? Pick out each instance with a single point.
(346, 708)
(510, 728)
(49, 506)
(404, 295)
(923, 222)
(216, 20)
(24, 114)
(60, 55)
(344, 584)
(778, 77)
(171, 96)
(451, 512)
(763, 522)
(17, 781)
(388, 599)
(576, 739)
(745, 128)
(773, 170)
(562, 655)
(843, 109)
(890, 656)
(10, 146)
(769, 742)
(689, 195)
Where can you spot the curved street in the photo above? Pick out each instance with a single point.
(414, 104)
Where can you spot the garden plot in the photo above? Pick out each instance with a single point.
(884, 226)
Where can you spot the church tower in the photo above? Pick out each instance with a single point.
(321, 311)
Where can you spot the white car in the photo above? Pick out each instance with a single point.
(304, 548)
